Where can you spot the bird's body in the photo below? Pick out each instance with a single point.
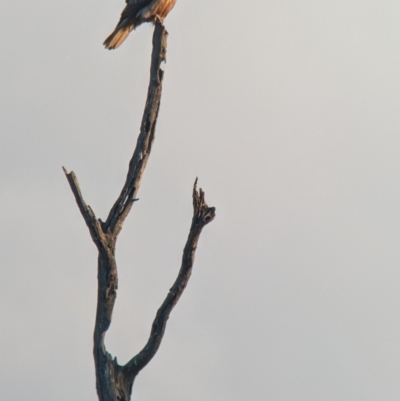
(134, 14)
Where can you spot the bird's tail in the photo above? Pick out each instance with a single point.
(120, 33)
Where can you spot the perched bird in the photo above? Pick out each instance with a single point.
(135, 13)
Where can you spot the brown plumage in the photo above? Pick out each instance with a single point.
(135, 13)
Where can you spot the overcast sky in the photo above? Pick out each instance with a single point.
(288, 112)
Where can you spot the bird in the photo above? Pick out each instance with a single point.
(136, 13)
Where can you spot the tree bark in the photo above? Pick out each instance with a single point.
(113, 381)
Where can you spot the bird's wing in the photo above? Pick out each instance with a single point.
(131, 10)
(140, 3)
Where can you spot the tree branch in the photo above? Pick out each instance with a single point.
(123, 204)
(91, 221)
(202, 215)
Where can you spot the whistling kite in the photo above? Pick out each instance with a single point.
(135, 13)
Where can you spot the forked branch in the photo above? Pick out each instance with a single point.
(114, 382)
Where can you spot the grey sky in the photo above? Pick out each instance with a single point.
(288, 111)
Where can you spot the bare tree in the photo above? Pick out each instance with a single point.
(113, 381)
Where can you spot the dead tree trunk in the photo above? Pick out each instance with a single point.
(113, 381)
